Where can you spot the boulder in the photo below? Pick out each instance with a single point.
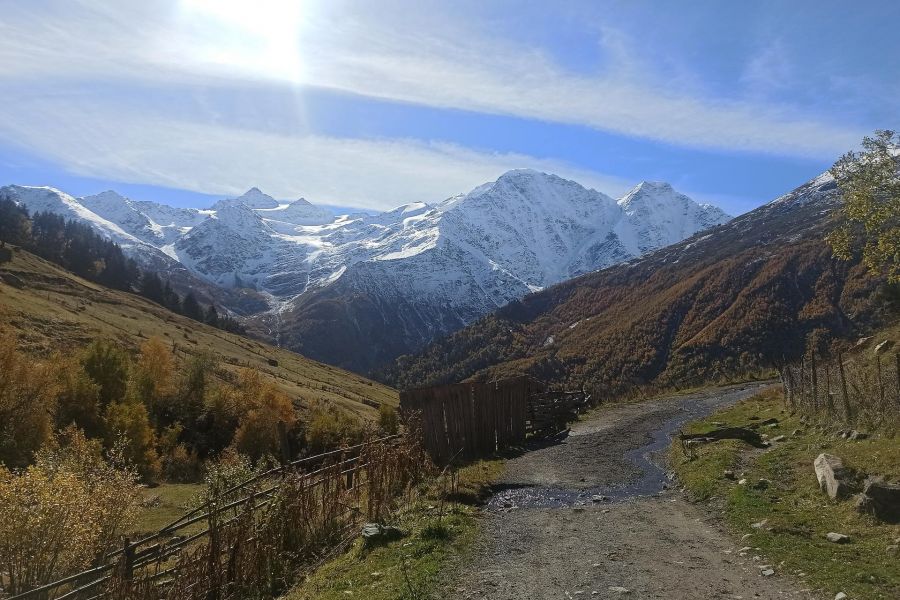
(837, 538)
(832, 475)
(375, 534)
(880, 499)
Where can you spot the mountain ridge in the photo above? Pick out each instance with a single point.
(735, 299)
(444, 264)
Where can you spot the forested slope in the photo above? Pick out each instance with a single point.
(739, 298)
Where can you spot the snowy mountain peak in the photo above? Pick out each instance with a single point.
(439, 266)
(254, 198)
(658, 192)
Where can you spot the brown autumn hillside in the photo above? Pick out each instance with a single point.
(734, 300)
(52, 309)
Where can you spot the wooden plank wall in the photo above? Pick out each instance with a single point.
(468, 420)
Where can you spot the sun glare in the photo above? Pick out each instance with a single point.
(261, 37)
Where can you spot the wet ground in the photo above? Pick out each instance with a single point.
(592, 514)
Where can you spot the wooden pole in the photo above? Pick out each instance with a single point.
(897, 357)
(814, 381)
(848, 412)
(128, 562)
(790, 380)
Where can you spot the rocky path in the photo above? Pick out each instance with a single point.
(591, 517)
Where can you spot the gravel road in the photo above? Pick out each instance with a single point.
(591, 516)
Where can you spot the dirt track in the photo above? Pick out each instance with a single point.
(547, 534)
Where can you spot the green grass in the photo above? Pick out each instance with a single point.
(165, 503)
(798, 514)
(412, 566)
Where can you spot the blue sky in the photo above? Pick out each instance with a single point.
(375, 104)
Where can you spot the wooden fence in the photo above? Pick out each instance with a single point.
(468, 420)
(270, 526)
(862, 390)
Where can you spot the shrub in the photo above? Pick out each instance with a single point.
(181, 465)
(388, 421)
(61, 513)
(329, 428)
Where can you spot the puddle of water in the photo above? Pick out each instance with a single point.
(652, 481)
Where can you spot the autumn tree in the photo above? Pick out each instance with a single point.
(78, 398)
(128, 423)
(107, 366)
(153, 379)
(870, 187)
(58, 515)
(268, 410)
(27, 403)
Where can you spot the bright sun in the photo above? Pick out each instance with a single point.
(261, 37)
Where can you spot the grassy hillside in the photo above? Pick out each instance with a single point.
(730, 301)
(795, 514)
(51, 309)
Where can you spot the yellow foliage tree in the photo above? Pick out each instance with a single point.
(59, 514)
(128, 423)
(267, 409)
(870, 189)
(154, 376)
(27, 403)
(78, 398)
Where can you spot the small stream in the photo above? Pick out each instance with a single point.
(647, 458)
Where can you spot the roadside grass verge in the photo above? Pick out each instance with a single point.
(797, 515)
(440, 525)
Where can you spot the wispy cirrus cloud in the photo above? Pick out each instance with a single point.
(104, 142)
(423, 53)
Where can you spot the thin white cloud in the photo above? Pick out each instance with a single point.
(419, 53)
(101, 142)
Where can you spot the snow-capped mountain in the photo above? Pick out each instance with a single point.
(358, 290)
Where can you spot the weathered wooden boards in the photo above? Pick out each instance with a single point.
(467, 420)
(472, 419)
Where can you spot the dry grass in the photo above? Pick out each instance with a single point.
(53, 310)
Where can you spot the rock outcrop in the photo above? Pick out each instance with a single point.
(832, 475)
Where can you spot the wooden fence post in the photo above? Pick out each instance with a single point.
(814, 382)
(848, 412)
(790, 388)
(128, 562)
(897, 357)
(213, 592)
(284, 442)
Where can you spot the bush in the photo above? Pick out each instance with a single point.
(388, 421)
(181, 465)
(61, 513)
(330, 428)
